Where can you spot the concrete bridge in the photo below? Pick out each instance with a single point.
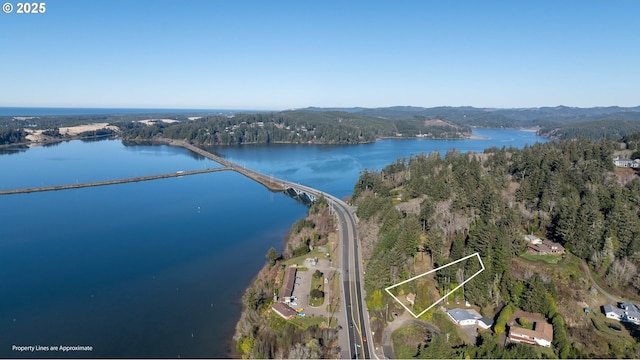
(269, 182)
(109, 182)
(305, 197)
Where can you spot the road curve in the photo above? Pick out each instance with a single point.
(612, 298)
(355, 307)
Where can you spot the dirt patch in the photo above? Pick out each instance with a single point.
(438, 122)
(410, 207)
(75, 130)
(624, 175)
(35, 135)
(152, 121)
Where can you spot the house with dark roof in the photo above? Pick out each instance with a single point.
(485, 323)
(545, 247)
(288, 283)
(284, 310)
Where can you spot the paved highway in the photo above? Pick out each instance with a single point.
(357, 318)
(355, 307)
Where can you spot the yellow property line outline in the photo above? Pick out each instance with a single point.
(429, 272)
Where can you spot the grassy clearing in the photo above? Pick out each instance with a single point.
(279, 324)
(524, 323)
(617, 342)
(299, 260)
(406, 340)
(442, 322)
(545, 352)
(549, 259)
(305, 322)
(316, 284)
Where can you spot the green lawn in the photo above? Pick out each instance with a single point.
(617, 341)
(549, 259)
(305, 322)
(299, 260)
(316, 284)
(406, 340)
(528, 324)
(442, 322)
(279, 324)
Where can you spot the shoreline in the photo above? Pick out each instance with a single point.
(271, 274)
(28, 144)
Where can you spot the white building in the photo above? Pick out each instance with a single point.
(613, 312)
(625, 312)
(464, 317)
(532, 239)
(485, 323)
(620, 162)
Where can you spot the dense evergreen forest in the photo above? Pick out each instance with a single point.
(545, 117)
(446, 207)
(292, 127)
(348, 125)
(12, 135)
(595, 130)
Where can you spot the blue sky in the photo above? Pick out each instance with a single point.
(276, 55)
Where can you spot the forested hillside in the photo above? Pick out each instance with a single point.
(595, 130)
(11, 135)
(448, 207)
(348, 125)
(548, 118)
(293, 127)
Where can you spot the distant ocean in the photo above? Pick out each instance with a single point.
(47, 111)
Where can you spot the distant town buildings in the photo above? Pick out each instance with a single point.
(537, 246)
(542, 334)
(625, 312)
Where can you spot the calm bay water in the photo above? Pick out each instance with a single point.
(157, 269)
(335, 169)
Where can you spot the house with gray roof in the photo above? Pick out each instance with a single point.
(464, 317)
(613, 312)
(625, 312)
(485, 323)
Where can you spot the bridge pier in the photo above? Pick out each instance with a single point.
(304, 196)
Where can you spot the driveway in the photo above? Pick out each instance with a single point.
(613, 299)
